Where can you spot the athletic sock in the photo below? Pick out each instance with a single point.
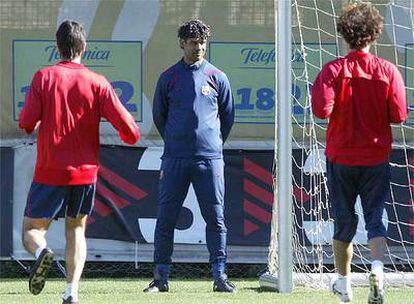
(38, 252)
(71, 290)
(344, 283)
(377, 268)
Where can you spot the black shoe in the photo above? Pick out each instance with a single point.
(376, 295)
(157, 286)
(224, 286)
(69, 300)
(39, 271)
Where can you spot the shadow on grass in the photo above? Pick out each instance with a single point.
(24, 293)
(259, 289)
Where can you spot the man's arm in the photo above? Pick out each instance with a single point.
(30, 115)
(160, 107)
(226, 107)
(113, 111)
(323, 94)
(397, 101)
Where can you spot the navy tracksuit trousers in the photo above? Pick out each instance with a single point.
(207, 178)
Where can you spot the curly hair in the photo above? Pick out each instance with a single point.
(194, 29)
(360, 24)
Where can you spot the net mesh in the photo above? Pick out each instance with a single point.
(316, 42)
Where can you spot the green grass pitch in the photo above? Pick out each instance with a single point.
(120, 291)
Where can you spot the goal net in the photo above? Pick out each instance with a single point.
(314, 43)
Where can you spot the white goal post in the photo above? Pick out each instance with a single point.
(283, 155)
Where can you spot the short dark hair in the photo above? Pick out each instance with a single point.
(360, 24)
(194, 29)
(70, 39)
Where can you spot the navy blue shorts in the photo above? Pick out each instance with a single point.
(46, 201)
(345, 183)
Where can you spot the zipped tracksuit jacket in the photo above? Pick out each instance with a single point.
(193, 111)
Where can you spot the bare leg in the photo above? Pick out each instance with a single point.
(34, 231)
(75, 248)
(343, 256)
(377, 246)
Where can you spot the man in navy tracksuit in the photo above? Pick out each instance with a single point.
(193, 111)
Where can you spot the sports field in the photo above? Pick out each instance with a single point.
(182, 291)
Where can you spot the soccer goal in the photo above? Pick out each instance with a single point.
(300, 250)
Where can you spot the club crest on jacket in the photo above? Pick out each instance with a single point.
(205, 90)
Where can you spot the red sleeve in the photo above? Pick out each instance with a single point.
(32, 109)
(113, 111)
(397, 101)
(323, 93)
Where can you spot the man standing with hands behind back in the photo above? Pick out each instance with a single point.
(193, 112)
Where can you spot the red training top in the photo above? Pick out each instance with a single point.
(361, 94)
(69, 100)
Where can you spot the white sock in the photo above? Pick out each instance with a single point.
(38, 252)
(377, 267)
(344, 282)
(71, 290)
